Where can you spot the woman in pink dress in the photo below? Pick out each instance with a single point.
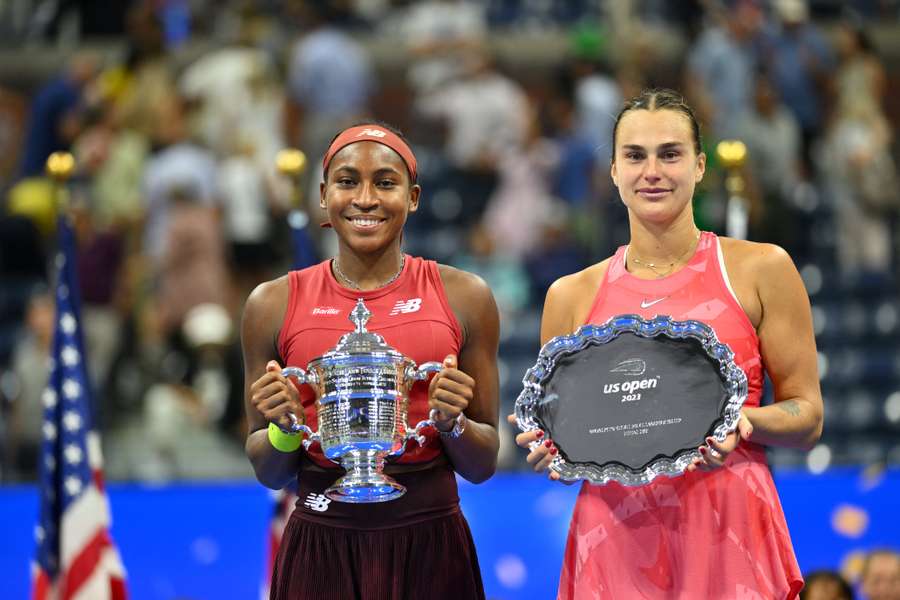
(718, 531)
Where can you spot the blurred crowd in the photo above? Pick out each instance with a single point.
(176, 120)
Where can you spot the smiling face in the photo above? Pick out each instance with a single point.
(367, 195)
(656, 166)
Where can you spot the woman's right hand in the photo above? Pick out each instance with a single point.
(273, 396)
(542, 455)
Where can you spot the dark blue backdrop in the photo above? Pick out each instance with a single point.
(206, 541)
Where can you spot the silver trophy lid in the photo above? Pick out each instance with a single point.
(361, 341)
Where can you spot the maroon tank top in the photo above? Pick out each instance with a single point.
(412, 313)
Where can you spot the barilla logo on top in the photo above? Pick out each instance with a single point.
(632, 366)
(325, 310)
(372, 133)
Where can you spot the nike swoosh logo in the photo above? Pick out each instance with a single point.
(645, 304)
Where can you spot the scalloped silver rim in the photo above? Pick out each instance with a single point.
(735, 383)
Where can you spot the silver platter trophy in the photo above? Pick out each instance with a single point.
(632, 399)
(362, 395)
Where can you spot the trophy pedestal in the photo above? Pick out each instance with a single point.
(364, 482)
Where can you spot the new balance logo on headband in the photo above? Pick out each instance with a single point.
(371, 132)
(406, 306)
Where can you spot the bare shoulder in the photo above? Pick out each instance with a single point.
(576, 284)
(471, 300)
(265, 308)
(754, 258)
(569, 300)
(463, 283)
(268, 295)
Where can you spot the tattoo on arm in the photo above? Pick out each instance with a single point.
(790, 407)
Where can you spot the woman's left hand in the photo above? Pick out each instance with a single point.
(714, 454)
(449, 393)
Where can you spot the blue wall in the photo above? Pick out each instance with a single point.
(203, 541)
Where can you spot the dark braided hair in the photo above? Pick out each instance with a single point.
(659, 99)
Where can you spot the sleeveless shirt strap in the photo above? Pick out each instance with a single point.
(724, 271)
(434, 276)
(616, 261)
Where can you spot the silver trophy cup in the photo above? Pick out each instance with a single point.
(362, 395)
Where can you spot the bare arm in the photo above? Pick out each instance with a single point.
(567, 304)
(788, 350)
(471, 386)
(267, 395)
(772, 294)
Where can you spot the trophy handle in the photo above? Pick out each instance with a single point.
(298, 427)
(421, 374)
(418, 374)
(302, 376)
(416, 434)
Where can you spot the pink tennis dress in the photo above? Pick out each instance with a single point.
(703, 535)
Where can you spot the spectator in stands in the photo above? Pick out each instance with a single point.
(54, 121)
(180, 164)
(880, 577)
(721, 66)
(503, 273)
(521, 203)
(330, 79)
(111, 157)
(235, 94)
(26, 414)
(861, 77)
(772, 136)
(487, 117)
(440, 34)
(800, 60)
(140, 87)
(826, 585)
(856, 161)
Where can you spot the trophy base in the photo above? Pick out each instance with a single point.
(364, 482)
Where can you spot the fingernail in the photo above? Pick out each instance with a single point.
(548, 443)
(709, 440)
(552, 450)
(702, 449)
(540, 433)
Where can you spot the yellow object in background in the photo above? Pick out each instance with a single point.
(35, 199)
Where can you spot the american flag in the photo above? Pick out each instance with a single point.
(75, 558)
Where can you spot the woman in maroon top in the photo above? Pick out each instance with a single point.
(418, 545)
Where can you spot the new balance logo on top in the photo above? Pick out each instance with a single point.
(325, 310)
(371, 132)
(317, 502)
(406, 306)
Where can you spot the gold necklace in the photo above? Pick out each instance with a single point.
(352, 284)
(656, 266)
